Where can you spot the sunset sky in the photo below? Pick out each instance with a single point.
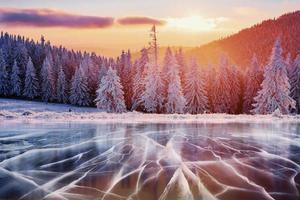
(107, 26)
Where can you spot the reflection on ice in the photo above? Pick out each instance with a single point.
(150, 161)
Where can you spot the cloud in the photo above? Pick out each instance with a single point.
(51, 18)
(140, 21)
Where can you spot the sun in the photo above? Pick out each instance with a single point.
(192, 23)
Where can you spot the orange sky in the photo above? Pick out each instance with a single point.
(185, 23)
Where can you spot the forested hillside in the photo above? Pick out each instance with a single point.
(259, 39)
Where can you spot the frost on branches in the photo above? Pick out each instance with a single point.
(4, 78)
(195, 93)
(275, 86)
(295, 81)
(47, 80)
(61, 88)
(79, 89)
(254, 78)
(31, 81)
(15, 80)
(153, 96)
(175, 101)
(110, 95)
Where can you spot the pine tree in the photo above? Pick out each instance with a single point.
(253, 81)
(275, 86)
(182, 66)
(61, 88)
(31, 88)
(295, 82)
(139, 80)
(153, 96)
(210, 82)
(47, 81)
(79, 88)
(110, 95)
(15, 80)
(222, 90)
(175, 101)
(195, 93)
(4, 76)
(91, 70)
(234, 89)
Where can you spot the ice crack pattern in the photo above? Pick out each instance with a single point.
(231, 161)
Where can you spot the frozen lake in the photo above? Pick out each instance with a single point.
(233, 161)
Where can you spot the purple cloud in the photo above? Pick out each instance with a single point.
(140, 21)
(51, 18)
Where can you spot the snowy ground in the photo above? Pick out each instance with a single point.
(29, 111)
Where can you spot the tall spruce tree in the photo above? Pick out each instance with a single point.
(15, 81)
(175, 101)
(195, 93)
(295, 82)
(79, 89)
(275, 86)
(253, 81)
(31, 88)
(110, 95)
(4, 76)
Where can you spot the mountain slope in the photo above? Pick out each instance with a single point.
(258, 39)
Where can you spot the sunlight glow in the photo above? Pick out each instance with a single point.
(193, 23)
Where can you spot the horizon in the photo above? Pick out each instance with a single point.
(106, 29)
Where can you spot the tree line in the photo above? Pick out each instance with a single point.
(39, 71)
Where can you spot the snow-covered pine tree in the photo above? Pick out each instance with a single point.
(15, 81)
(222, 89)
(31, 87)
(4, 76)
(253, 81)
(110, 95)
(195, 93)
(275, 86)
(47, 81)
(91, 70)
(210, 82)
(139, 80)
(21, 56)
(102, 71)
(153, 96)
(295, 82)
(62, 87)
(288, 60)
(79, 88)
(182, 66)
(235, 89)
(175, 101)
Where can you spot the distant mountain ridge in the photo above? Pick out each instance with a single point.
(258, 39)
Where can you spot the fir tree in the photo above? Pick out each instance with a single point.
(153, 96)
(275, 86)
(110, 95)
(295, 82)
(15, 81)
(210, 82)
(195, 93)
(222, 89)
(79, 88)
(47, 81)
(61, 88)
(4, 76)
(139, 80)
(175, 101)
(31, 88)
(253, 81)
(234, 89)
(182, 66)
